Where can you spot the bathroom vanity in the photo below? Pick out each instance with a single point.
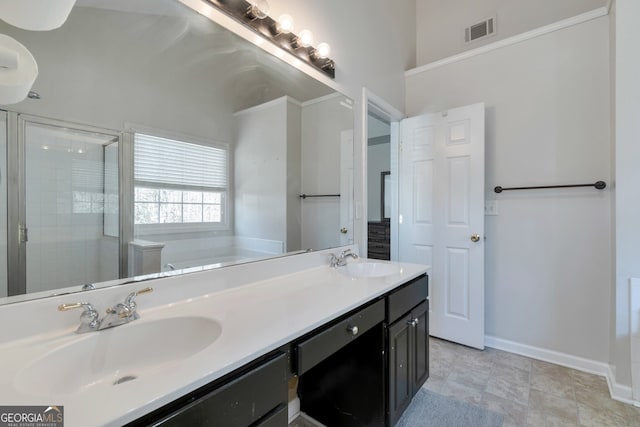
(219, 347)
(361, 369)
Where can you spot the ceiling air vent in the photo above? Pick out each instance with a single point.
(480, 30)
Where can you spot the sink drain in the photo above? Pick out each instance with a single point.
(124, 379)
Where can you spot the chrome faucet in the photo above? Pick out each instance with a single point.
(88, 319)
(341, 260)
(120, 314)
(124, 312)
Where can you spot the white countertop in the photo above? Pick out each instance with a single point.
(256, 318)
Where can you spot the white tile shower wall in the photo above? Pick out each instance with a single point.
(64, 197)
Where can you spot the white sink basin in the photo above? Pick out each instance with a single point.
(115, 356)
(370, 269)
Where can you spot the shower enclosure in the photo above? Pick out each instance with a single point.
(62, 216)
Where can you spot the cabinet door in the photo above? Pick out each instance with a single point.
(420, 349)
(400, 377)
(239, 403)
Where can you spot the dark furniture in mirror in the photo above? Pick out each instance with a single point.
(379, 232)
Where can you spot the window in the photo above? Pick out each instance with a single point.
(179, 182)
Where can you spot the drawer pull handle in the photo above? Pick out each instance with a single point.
(413, 322)
(353, 330)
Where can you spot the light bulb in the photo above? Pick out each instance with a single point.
(285, 24)
(323, 50)
(259, 8)
(305, 38)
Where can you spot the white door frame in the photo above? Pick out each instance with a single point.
(385, 109)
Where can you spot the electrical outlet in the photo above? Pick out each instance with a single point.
(491, 207)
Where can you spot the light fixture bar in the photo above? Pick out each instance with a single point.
(267, 27)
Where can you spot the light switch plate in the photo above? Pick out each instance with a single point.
(491, 207)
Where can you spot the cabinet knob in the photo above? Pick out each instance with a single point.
(413, 322)
(353, 330)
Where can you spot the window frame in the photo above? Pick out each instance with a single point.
(188, 227)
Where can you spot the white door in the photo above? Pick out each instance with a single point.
(441, 216)
(346, 187)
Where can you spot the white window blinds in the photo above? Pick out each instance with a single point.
(163, 161)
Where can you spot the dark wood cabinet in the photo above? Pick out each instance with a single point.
(254, 396)
(379, 240)
(400, 378)
(408, 346)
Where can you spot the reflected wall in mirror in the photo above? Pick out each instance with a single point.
(162, 142)
(378, 184)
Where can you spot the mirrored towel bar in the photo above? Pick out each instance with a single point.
(304, 196)
(600, 185)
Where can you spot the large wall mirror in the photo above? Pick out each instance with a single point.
(159, 142)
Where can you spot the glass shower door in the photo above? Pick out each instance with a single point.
(70, 211)
(3, 205)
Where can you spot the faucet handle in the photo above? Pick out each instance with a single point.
(88, 319)
(66, 307)
(130, 300)
(131, 297)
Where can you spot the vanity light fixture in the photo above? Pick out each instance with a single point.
(304, 39)
(284, 25)
(254, 14)
(322, 51)
(18, 70)
(36, 15)
(258, 9)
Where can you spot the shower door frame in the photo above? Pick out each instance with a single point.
(16, 194)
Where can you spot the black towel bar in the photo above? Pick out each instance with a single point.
(600, 185)
(304, 196)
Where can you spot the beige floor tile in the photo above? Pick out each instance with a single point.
(592, 417)
(592, 382)
(457, 391)
(557, 385)
(602, 402)
(513, 360)
(526, 391)
(515, 414)
(556, 407)
(538, 366)
(509, 383)
(472, 375)
(542, 419)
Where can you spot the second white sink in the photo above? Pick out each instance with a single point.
(114, 356)
(370, 269)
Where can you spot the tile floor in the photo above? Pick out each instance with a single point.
(528, 392)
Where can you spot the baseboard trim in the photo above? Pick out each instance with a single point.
(617, 391)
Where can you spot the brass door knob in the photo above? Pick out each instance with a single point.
(475, 237)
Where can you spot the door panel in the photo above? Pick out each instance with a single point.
(441, 206)
(457, 283)
(421, 346)
(400, 379)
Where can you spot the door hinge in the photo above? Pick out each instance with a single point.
(401, 146)
(23, 235)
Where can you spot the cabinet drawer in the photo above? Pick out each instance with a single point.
(315, 349)
(279, 418)
(238, 403)
(404, 299)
